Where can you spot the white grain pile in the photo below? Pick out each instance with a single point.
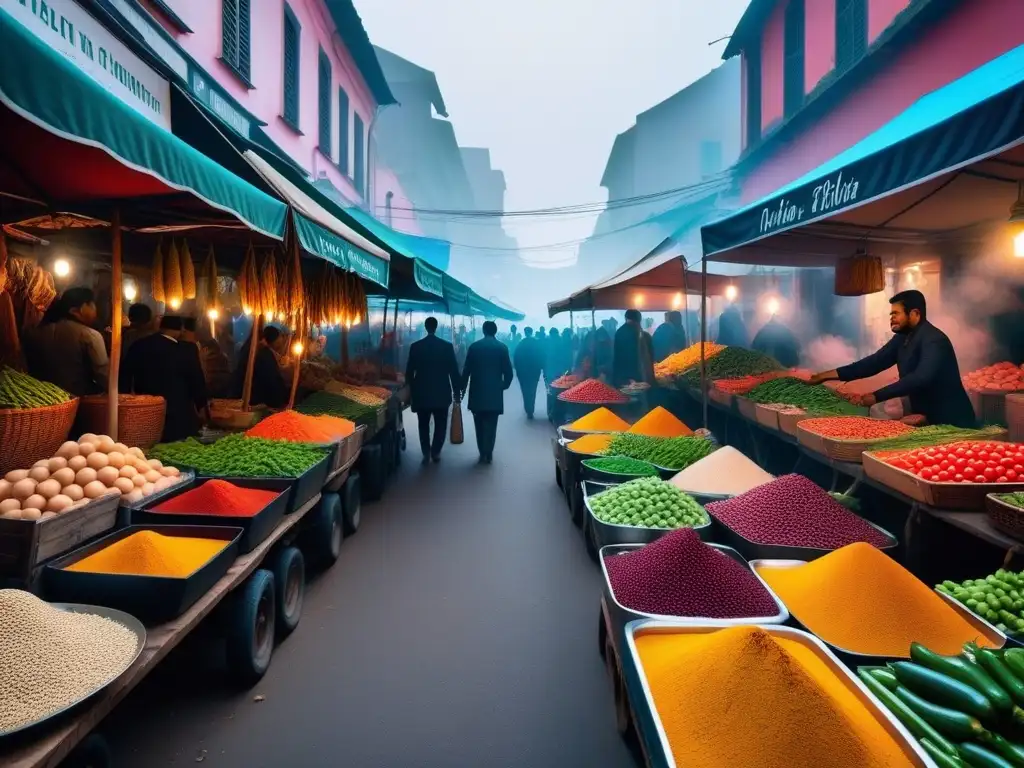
(51, 658)
(726, 472)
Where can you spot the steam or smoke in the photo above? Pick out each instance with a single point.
(828, 352)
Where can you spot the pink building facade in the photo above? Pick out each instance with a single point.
(317, 91)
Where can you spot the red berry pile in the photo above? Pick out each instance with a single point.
(680, 575)
(594, 392)
(967, 462)
(792, 511)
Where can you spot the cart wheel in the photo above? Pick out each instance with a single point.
(588, 534)
(623, 719)
(289, 589)
(325, 531)
(250, 634)
(351, 504)
(558, 475)
(92, 752)
(602, 634)
(576, 507)
(373, 471)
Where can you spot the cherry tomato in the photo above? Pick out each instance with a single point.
(959, 478)
(1002, 479)
(1011, 475)
(969, 473)
(978, 479)
(926, 473)
(990, 474)
(942, 477)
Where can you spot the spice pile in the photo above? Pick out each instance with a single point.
(218, 497)
(731, 363)
(19, 390)
(328, 404)
(300, 428)
(592, 445)
(677, 363)
(565, 381)
(240, 456)
(648, 503)
(999, 598)
(50, 658)
(667, 452)
(855, 428)
(861, 600)
(741, 696)
(741, 385)
(937, 434)
(814, 398)
(995, 379)
(726, 472)
(592, 391)
(621, 465)
(359, 395)
(967, 462)
(599, 420)
(148, 553)
(792, 511)
(680, 575)
(658, 422)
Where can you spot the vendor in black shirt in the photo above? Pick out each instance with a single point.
(268, 385)
(924, 356)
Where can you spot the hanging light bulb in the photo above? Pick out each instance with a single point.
(297, 348)
(638, 300)
(130, 291)
(356, 321)
(731, 292)
(270, 317)
(772, 305)
(1018, 245)
(247, 311)
(174, 304)
(62, 268)
(1017, 222)
(213, 314)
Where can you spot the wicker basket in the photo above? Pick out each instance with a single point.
(1015, 417)
(1005, 517)
(140, 418)
(30, 434)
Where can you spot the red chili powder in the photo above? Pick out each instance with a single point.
(218, 497)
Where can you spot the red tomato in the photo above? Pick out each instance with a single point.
(1011, 475)
(942, 477)
(1002, 479)
(959, 478)
(969, 473)
(968, 454)
(960, 465)
(982, 454)
(990, 474)
(926, 473)
(978, 479)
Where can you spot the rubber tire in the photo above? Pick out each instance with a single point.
(373, 473)
(602, 633)
(289, 568)
(91, 752)
(558, 475)
(325, 532)
(351, 504)
(387, 450)
(250, 631)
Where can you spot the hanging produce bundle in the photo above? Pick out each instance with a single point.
(966, 462)
(210, 295)
(249, 284)
(296, 297)
(995, 379)
(731, 363)
(267, 284)
(156, 275)
(173, 289)
(188, 272)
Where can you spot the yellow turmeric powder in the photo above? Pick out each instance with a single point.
(148, 553)
(599, 420)
(660, 423)
(745, 697)
(593, 445)
(859, 599)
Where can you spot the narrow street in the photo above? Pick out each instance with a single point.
(458, 628)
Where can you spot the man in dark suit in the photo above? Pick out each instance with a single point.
(529, 361)
(433, 376)
(634, 352)
(489, 371)
(156, 365)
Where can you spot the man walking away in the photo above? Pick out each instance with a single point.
(433, 376)
(634, 352)
(489, 371)
(529, 360)
(670, 337)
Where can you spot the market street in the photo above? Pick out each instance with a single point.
(458, 628)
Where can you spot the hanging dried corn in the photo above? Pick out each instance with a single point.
(249, 284)
(268, 286)
(210, 293)
(284, 304)
(172, 277)
(188, 272)
(156, 275)
(296, 296)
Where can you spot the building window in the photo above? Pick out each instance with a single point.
(851, 32)
(359, 155)
(292, 36)
(235, 36)
(753, 59)
(710, 158)
(324, 102)
(343, 134)
(793, 75)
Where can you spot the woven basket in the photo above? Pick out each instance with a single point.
(1005, 517)
(140, 418)
(1015, 417)
(30, 434)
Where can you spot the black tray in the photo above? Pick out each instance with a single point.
(256, 528)
(152, 599)
(304, 487)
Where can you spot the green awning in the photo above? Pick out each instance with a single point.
(50, 102)
(428, 278)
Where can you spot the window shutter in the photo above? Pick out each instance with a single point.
(324, 99)
(793, 75)
(244, 42)
(851, 33)
(292, 33)
(360, 158)
(343, 135)
(235, 36)
(753, 57)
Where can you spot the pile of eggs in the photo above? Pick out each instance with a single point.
(80, 472)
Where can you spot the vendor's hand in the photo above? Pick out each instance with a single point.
(868, 400)
(821, 378)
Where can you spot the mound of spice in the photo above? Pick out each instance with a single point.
(300, 428)
(855, 427)
(565, 381)
(667, 452)
(593, 391)
(359, 395)
(726, 472)
(329, 404)
(792, 511)
(622, 465)
(241, 456)
(680, 575)
(861, 600)
(50, 658)
(659, 422)
(731, 363)
(741, 696)
(148, 553)
(218, 497)
(675, 364)
(599, 420)
(593, 445)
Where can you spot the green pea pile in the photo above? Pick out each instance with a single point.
(622, 465)
(239, 456)
(998, 598)
(814, 398)
(329, 404)
(648, 503)
(732, 363)
(668, 452)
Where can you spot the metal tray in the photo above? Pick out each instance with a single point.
(1013, 641)
(649, 726)
(620, 615)
(607, 534)
(854, 658)
(608, 478)
(128, 621)
(754, 551)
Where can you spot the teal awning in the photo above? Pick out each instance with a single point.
(74, 143)
(436, 253)
(428, 279)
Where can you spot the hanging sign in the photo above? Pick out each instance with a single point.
(66, 27)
